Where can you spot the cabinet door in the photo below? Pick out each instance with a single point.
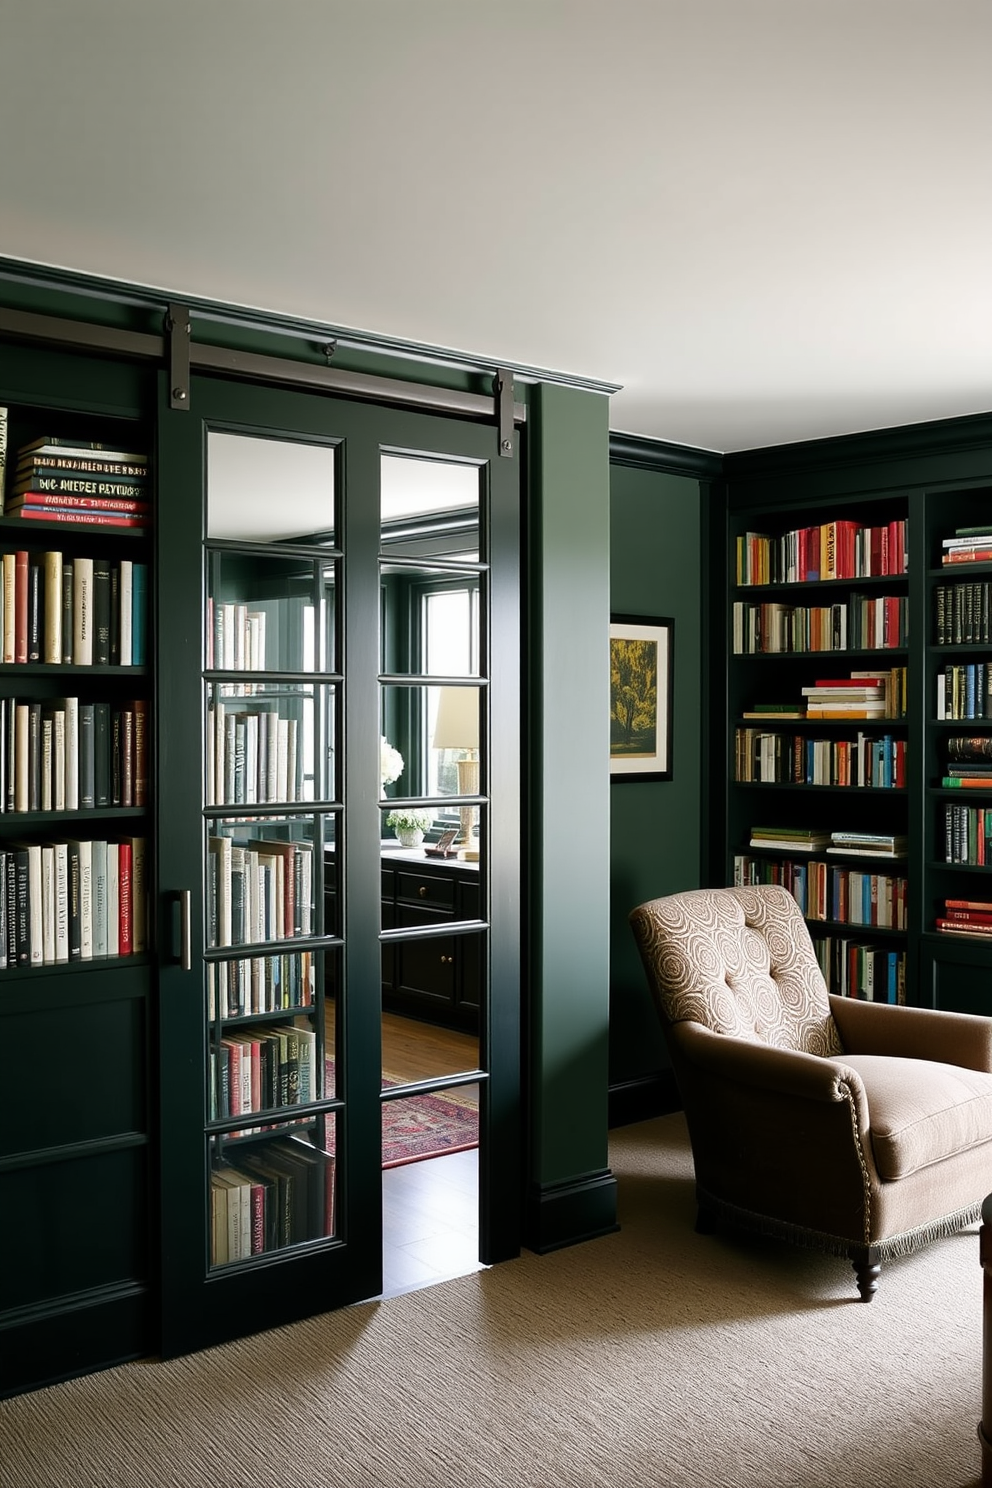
(271, 802)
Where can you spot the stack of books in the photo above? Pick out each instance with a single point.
(776, 710)
(968, 545)
(969, 763)
(868, 844)
(793, 839)
(860, 695)
(966, 917)
(69, 480)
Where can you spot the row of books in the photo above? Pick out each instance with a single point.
(855, 968)
(253, 755)
(58, 480)
(842, 549)
(280, 1193)
(816, 839)
(260, 984)
(72, 901)
(72, 610)
(965, 917)
(968, 545)
(862, 623)
(262, 1069)
(827, 892)
(962, 613)
(258, 890)
(968, 835)
(875, 694)
(782, 759)
(64, 754)
(964, 691)
(235, 637)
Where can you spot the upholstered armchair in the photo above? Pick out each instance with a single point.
(856, 1127)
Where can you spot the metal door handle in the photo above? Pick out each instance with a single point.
(185, 940)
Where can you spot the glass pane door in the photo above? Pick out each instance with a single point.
(327, 663)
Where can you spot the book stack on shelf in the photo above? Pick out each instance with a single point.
(793, 839)
(80, 481)
(968, 545)
(263, 1069)
(260, 984)
(861, 695)
(258, 890)
(864, 622)
(964, 690)
(869, 844)
(965, 917)
(253, 755)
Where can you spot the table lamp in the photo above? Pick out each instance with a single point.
(457, 727)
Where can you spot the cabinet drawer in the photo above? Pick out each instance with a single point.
(426, 888)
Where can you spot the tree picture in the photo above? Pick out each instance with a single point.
(640, 698)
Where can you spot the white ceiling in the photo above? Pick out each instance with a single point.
(767, 220)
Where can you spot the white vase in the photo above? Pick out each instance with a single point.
(409, 836)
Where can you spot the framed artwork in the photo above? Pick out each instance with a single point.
(640, 697)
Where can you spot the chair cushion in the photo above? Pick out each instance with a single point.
(741, 962)
(922, 1112)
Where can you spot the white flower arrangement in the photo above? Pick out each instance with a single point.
(410, 819)
(390, 762)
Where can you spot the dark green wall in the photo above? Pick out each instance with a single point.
(655, 848)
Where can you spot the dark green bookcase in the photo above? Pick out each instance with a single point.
(76, 1166)
(937, 485)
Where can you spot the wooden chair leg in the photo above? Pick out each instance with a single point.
(867, 1277)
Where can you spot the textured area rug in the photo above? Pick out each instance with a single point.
(416, 1127)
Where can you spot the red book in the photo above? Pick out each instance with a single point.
(124, 900)
(970, 916)
(979, 904)
(101, 518)
(20, 606)
(980, 555)
(124, 505)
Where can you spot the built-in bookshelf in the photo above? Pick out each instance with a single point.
(77, 532)
(819, 734)
(959, 729)
(859, 730)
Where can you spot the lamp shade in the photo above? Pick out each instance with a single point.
(457, 724)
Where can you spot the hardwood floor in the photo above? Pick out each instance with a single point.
(430, 1226)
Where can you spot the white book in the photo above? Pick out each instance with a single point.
(9, 608)
(282, 761)
(251, 759)
(22, 753)
(98, 868)
(271, 756)
(82, 616)
(48, 905)
(240, 637)
(47, 764)
(61, 901)
(126, 601)
(58, 759)
(113, 899)
(72, 754)
(85, 899)
(36, 905)
(210, 772)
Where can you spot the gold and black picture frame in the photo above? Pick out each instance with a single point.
(641, 657)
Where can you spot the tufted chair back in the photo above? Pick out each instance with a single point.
(740, 962)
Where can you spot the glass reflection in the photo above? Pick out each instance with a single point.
(275, 745)
(429, 508)
(267, 490)
(267, 614)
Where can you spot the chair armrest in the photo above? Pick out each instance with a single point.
(964, 1039)
(779, 1072)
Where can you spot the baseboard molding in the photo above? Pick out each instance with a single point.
(560, 1214)
(639, 1100)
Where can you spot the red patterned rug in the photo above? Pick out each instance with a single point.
(416, 1127)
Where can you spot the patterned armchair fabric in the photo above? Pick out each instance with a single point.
(740, 962)
(859, 1128)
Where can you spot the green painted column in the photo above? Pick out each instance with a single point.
(572, 1193)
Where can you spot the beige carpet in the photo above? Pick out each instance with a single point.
(650, 1357)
